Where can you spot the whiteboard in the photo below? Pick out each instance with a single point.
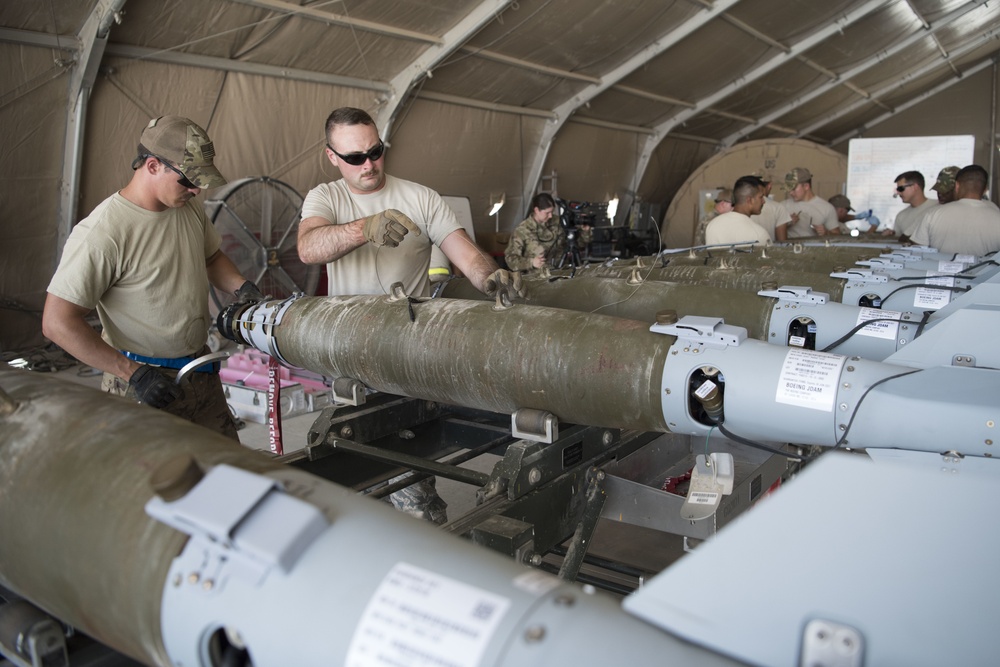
(874, 164)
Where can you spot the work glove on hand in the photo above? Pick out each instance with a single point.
(153, 388)
(249, 293)
(388, 227)
(504, 279)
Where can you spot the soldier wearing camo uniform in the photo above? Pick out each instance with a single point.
(144, 259)
(540, 239)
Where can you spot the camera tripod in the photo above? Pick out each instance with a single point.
(572, 254)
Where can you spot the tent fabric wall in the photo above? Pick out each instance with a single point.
(601, 160)
(943, 114)
(673, 161)
(32, 115)
(469, 152)
(773, 157)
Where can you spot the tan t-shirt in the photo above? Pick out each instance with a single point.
(909, 218)
(964, 226)
(371, 269)
(733, 227)
(771, 215)
(145, 274)
(815, 211)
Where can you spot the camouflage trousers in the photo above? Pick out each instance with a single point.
(203, 402)
(420, 500)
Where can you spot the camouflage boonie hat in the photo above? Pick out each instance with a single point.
(796, 176)
(184, 144)
(840, 201)
(946, 179)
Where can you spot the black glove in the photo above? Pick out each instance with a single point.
(249, 293)
(153, 388)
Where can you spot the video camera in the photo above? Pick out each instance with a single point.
(573, 214)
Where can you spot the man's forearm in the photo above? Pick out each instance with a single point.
(223, 274)
(71, 332)
(321, 242)
(469, 258)
(482, 267)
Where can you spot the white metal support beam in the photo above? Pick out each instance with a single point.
(539, 113)
(528, 65)
(241, 66)
(904, 43)
(487, 106)
(794, 52)
(596, 122)
(900, 81)
(567, 108)
(913, 101)
(316, 14)
(403, 82)
(43, 39)
(92, 39)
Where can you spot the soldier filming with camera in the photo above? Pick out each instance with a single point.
(543, 240)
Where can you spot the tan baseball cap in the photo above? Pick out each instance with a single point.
(186, 145)
(796, 176)
(841, 201)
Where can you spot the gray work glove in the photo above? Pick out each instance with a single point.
(154, 388)
(388, 227)
(249, 293)
(504, 279)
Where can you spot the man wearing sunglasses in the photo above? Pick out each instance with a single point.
(144, 259)
(910, 189)
(372, 229)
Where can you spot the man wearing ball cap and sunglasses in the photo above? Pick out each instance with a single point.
(144, 259)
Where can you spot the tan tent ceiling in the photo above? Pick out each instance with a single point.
(479, 98)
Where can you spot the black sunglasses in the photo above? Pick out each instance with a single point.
(358, 159)
(900, 188)
(184, 181)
